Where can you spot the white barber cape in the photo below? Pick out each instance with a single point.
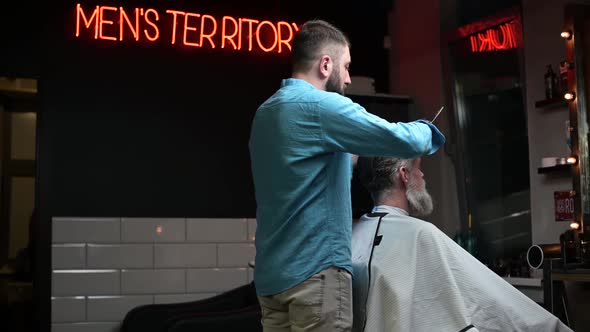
(421, 280)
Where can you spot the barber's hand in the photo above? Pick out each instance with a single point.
(354, 158)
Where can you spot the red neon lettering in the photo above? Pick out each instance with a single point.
(281, 40)
(494, 37)
(240, 35)
(208, 36)
(80, 12)
(186, 27)
(123, 17)
(224, 36)
(510, 33)
(103, 22)
(500, 38)
(484, 42)
(154, 26)
(275, 35)
(143, 23)
(174, 12)
(250, 21)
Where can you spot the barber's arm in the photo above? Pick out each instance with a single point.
(347, 126)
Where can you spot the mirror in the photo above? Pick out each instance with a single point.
(577, 22)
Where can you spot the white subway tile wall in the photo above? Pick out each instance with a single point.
(86, 327)
(235, 254)
(68, 256)
(68, 309)
(217, 280)
(104, 267)
(118, 256)
(113, 308)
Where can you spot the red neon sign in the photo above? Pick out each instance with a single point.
(189, 29)
(503, 37)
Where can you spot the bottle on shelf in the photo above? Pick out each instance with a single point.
(470, 241)
(563, 69)
(568, 136)
(550, 83)
(466, 239)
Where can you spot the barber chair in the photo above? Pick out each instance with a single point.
(364, 239)
(234, 310)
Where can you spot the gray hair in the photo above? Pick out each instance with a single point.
(377, 174)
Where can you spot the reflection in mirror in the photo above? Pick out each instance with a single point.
(577, 20)
(582, 114)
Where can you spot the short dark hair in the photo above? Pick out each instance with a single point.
(376, 174)
(311, 39)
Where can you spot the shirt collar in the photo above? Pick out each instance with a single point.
(390, 209)
(296, 82)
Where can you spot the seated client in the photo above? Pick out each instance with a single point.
(410, 276)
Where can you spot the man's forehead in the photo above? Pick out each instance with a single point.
(346, 54)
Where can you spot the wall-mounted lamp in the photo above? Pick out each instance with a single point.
(572, 160)
(566, 34)
(569, 96)
(574, 225)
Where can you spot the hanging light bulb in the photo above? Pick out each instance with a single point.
(574, 225)
(566, 34)
(569, 96)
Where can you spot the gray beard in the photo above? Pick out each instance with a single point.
(419, 201)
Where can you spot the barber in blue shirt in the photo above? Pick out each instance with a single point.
(301, 143)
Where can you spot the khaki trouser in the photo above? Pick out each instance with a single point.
(321, 303)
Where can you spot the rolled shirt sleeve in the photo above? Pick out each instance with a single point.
(346, 126)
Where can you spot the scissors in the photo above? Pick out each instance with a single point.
(437, 113)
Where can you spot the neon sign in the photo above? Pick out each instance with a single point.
(503, 37)
(189, 29)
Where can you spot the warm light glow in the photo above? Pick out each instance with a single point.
(123, 18)
(502, 37)
(152, 24)
(574, 225)
(196, 30)
(225, 36)
(250, 22)
(566, 34)
(569, 96)
(572, 160)
(159, 229)
(208, 36)
(87, 22)
(187, 28)
(103, 22)
(286, 40)
(275, 34)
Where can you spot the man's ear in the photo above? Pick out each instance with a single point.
(325, 66)
(404, 175)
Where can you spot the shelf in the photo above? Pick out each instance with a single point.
(555, 169)
(526, 282)
(551, 103)
(380, 98)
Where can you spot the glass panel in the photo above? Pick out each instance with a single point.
(23, 135)
(492, 128)
(22, 202)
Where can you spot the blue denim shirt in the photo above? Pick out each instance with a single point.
(300, 142)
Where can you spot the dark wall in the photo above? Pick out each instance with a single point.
(153, 129)
(20, 39)
(469, 11)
